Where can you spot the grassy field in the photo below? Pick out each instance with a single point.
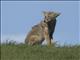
(24, 52)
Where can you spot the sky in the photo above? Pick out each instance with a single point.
(17, 18)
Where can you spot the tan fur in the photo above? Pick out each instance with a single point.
(38, 34)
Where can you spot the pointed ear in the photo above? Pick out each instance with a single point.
(57, 14)
(44, 13)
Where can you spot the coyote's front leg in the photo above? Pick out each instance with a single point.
(46, 34)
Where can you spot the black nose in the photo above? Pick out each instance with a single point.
(47, 20)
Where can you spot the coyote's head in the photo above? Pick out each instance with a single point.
(49, 15)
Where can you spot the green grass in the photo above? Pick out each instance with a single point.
(24, 52)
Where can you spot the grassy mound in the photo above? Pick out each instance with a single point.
(24, 52)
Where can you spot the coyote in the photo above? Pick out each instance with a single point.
(43, 31)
